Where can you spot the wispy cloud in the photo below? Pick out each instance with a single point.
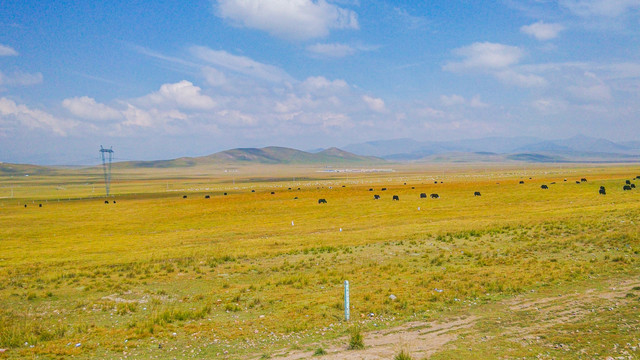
(600, 8)
(240, 64)
(322, 85)
(457, 100)
(335, 50)
(172, 59)
(498, 60)
(19, 78)
(591, 93)
(338, 50)
(411, 21)
(213, 76)
(485, 55)
(96, 78)
(513, 77)
(7, 51)
(290, 19)
(452, 100)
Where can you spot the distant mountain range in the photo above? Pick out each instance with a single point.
(267, 155)
(491, 149)
(577, 148)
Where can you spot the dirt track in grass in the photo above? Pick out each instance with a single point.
(423, 339)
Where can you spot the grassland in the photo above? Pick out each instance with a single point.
(255, 274)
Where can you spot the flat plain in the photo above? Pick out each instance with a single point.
(256, 270)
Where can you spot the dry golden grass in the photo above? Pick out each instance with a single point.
(201, 277)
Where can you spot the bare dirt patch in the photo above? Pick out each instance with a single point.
(420, 339)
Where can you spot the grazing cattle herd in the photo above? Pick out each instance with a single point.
(628, 186)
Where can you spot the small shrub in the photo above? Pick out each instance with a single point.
(356, 341)
(319, 352)
(403, 355)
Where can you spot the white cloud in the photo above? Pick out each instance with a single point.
(496, 59)
(316, 84)
(152, 118)
(334, 50)
(429, 112)
(485, 55)
(452, 100)
(542, 31)
(213, 76)
(375, 104)
(240, 64)
(549, 105)
(137, 117)
(457, 100)
(236, 118)
(182, 94)
(601, 8)
(7, 51)
(33, 118)
(477, 103)
(87, 108)
(295, 103)
(335, 120)
(290, 19)
(19, 78)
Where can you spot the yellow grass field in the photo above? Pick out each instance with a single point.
(252, 274)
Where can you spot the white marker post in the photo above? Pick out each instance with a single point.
(346, 300)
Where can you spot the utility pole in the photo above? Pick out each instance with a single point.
(106, 166)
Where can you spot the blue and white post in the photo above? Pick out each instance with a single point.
(346, 300)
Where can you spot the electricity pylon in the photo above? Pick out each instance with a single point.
(106, 166)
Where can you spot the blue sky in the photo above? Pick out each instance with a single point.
(164, 79)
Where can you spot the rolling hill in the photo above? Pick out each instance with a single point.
(9, 169)
(266, 155)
